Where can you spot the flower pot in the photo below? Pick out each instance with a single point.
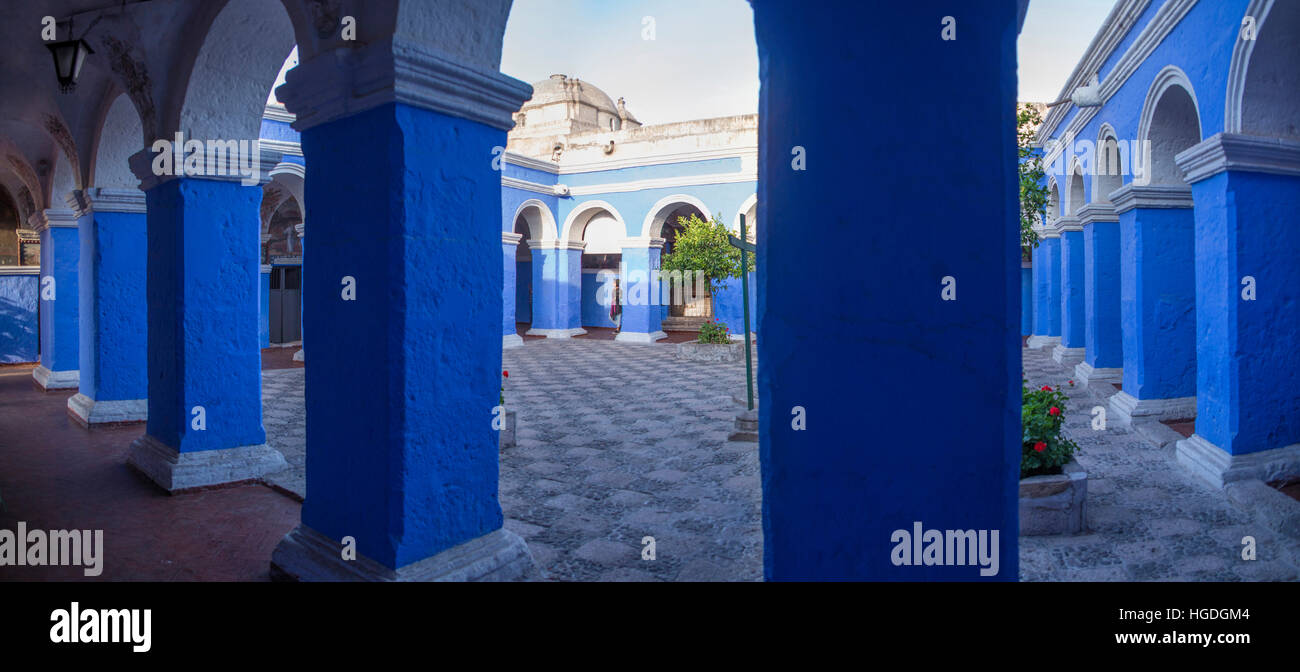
(711, 352)
(508, 431)
(1055, 504)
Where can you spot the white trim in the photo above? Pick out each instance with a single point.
(529, 162)
(1244, 153)
(1128, 408)
(1068, 224)
(511, 238)
(1104, 132)
(750, 202)
(556, 245)
(525, 185)
(289, 168)
(556, 333)
(1168, 78)
(113, 200)
(1219, 468)
(741, 153)
(641, 243)
(1097, 212)
(511, 341)
(1076, 168)
(278, 113)
(93, 412)
(663, 183)
(282, 147)
(549, 231)
(584, 207)
(655, 217)
(1239, 66)
(56, 380)
(52, 218)
(639, 337)
(1131, 196)
(20, 270)
(1156, 30)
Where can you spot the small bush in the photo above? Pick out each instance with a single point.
(1044, 450)
(714, 332)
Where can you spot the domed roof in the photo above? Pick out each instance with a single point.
(561, 88)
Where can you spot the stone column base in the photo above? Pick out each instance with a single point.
(56, 380)
(512, 341)
(174, 471)
(307, 555)
(1218, 467)
(556, 333)
(1036, 342)
(1085, 373)
(91, 412)
(1067, 357)
(299, 356)
(634, 337)
(1128, 408)
(746, 426)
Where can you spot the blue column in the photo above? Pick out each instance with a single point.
(386, 467)
(264, 306)
(19, 320)
(1247, 293)
(1026, 298)
(1158, 304)
(1103, 337)
(509, 246)
(205, 382)
(832, 507)
(60, 303)
(557, 289)
(1071, 349)
(113, 311)
(640, 293)
(1047, 290)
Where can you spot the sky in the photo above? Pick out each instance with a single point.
(702, 62)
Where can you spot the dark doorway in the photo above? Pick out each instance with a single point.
(286, 304)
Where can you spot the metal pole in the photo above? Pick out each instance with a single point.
(744, 284)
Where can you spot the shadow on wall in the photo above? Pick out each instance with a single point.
(18, 319)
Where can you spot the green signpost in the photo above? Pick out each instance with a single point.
(746, 248)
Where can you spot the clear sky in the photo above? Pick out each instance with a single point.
(702, 61)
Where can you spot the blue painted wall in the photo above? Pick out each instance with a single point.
(1047, 287)
(832, 502)
(1158, 302)
(60, 257)
(264, 309)
(523, 291)
(1072, 315)
(728, 305)
(203, 320)
(402, 479)
(1026, 300)
(1101, 279)
(18, 319)
(113, 310)
(594, 314)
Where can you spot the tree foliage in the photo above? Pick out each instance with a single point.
(702, 246)
(1033, 188)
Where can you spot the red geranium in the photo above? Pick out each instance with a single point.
(506, 374)
(1047, 388)
(1040, 446)
(1054, 411)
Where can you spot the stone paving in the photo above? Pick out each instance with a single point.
(616, 442)
(1149, 518)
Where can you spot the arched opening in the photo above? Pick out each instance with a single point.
(1077, 198)
(1272, 82)
(1108, 167)
(1172, 125)
(1053, 202)
(10, 250)
(667, 221)
(601, 231)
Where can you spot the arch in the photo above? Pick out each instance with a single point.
(225, 92)
(1053, 201)
(294, 178)
(1264, 74)
(1074, 195)
(540, 220)
(1108, 166)
(581, 215)
(653, 225)
(1171, 122)
(750, 209)
(118, 138)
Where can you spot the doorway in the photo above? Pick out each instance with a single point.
(286, 304)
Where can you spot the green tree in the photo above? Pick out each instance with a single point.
(703, 246)
(1033, 189)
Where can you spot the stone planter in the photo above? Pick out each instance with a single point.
(1055, 504)
(508, 431)
(711, 352)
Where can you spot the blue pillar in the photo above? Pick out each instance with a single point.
(509, 287)
(1247, 293)
(264, 306)
(641, 292)
(60, 302)
(19, 321)
(205, 382)
(1047, 290)
(1158, 304)
(114, 377)
(1071, 349)
(1103, 338)
(832, 507)
(387, 469)
(1026, 298)
(557, 289)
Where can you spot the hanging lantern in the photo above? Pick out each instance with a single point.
(69, 55)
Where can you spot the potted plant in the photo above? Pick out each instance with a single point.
(713, 345)
(1053, 487)
(507, 426)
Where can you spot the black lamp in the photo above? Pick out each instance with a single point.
(69, 55)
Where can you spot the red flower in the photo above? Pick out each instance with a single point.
(1053, 411)
(1040, 446)
(506, 374)
(1047, 388)
(1071, 382)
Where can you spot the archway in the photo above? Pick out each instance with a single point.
(599, 230)
(666, 220)
(1107, 167)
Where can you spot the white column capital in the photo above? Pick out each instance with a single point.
(1097, 212)
(52, 218)
(262, 158)
(107, 199)
(556, 245)
(1131, 196)
(511, 238)
(1238, 152)
(301, 229)
(642, 242)
(1069, 224)
(342, 82)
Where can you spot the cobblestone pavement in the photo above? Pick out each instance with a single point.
(616, 442)
(1149, 518)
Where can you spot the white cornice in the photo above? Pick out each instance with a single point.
(20, 270)
(641, 242)
(1097, 212)
(663, 183)
(341, 83)
(282, 147)
(264, 268)
(511, 238)
(742, 152)
(104, 199)
(556, 245)
(1130, 196)
(525, 185)
(278, 113)
(52, 218)
(1245, 153)
(1165, 20)
(529, 162)
(1068, 224)
(268, 157)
